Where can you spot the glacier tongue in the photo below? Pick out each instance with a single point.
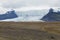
(32, 15)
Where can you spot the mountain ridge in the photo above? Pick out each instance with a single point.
(8, 15)
(52, 16)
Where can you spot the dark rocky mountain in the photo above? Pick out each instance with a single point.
(8, 15)
(52, 16)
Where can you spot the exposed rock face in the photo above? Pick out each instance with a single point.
(8, 15)
(52, 16)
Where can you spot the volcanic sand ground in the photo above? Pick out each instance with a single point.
(29, 30)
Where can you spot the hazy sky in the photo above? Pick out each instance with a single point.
(28, 4)
(24, 3)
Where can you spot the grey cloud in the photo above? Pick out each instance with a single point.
(24, 3)
(57, 3)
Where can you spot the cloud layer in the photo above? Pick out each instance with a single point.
(24, 3)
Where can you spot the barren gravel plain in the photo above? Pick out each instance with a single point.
(29, 30)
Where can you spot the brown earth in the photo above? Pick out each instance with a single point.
(29, 30)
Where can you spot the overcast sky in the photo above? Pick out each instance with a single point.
(28, 4)
(24, 3)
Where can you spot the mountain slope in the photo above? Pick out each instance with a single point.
(52, 16)
(8, 15)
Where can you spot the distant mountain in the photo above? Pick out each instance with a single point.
(8, 15)
(52, 16)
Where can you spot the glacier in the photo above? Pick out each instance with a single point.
(31, 15)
